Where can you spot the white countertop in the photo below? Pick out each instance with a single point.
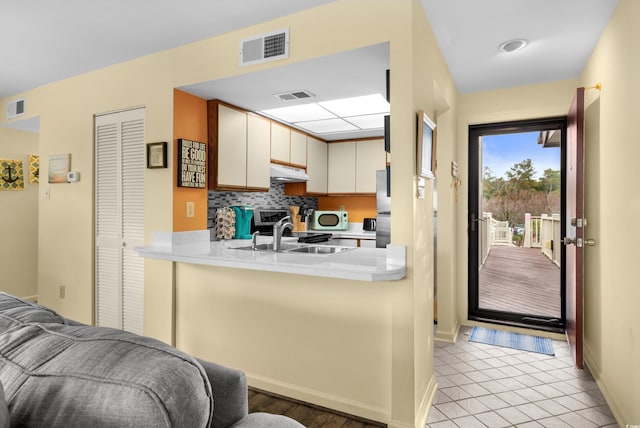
(360, 264)
(353, 232)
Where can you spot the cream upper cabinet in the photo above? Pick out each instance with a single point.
(370, 157)
(341, 167)
(317, 166)
(352, 166)
(258, 151)
(288, 145)
(280, 142)
(232, 147)
(239, 142)
(298, 152)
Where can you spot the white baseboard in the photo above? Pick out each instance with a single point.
(426, 402)
(318, 398)
(596, 372)
(447, 336)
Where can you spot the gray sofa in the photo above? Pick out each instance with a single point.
(58, 373)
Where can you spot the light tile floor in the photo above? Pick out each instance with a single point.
(488, 386)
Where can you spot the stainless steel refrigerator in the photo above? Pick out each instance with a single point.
(383, 208)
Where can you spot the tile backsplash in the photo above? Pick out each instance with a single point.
(274, 198)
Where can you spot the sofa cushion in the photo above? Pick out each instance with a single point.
(62, 376)
(4, 410)
(16, 310)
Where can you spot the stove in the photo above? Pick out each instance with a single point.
(264, 219)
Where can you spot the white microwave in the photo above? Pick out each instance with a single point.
(330, 220)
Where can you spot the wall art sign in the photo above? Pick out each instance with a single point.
(192, 164)
(34, 169)
(59, 167)
(11, 175)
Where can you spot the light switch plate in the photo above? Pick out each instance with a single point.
(191, 209)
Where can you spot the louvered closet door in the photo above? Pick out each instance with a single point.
(120, 164)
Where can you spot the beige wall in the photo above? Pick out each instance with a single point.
(393, 319)
(19, 219)
(612, 206)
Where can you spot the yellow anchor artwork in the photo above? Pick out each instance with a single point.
(11, 177)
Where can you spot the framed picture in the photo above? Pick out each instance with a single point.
(157, 155)
(426, 155)
(59, 167)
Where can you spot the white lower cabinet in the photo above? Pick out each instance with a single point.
(344, 242)
(368, 243)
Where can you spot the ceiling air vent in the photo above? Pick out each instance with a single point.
(295, 95)
(266, 47)
(15, 108)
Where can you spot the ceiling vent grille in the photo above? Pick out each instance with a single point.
(295, 95)
(264, 48)
(15, 109)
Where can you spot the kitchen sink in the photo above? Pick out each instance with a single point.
(269, 247)
(320, 249)
(297, 248)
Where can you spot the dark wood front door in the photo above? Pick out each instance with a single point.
(506, 292)
(574, 240)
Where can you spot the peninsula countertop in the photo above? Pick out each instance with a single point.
(360, 264)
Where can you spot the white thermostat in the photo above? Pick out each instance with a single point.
(73, 176)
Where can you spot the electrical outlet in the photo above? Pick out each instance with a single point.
(191, 209)
(63, 291)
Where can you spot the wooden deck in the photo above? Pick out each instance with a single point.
(520, 280)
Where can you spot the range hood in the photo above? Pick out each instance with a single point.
(287, 174)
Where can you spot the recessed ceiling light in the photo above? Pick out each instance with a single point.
(513, 45)
(326, 126)
(299, 113)
(368, 104)
(370, 121)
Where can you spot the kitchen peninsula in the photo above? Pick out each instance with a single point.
(361, 264)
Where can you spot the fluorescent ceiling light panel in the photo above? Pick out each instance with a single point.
(370, 121)
(326, 126)
(368, 104)
(302, 112)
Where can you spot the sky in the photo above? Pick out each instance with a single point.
(501, 152)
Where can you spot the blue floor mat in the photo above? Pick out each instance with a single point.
(523, 342)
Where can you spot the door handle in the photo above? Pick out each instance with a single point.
(474, 220)
(579, 242)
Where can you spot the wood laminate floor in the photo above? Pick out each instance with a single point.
(308, 415)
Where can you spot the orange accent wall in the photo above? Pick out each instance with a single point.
(359, 207)
(190, 122)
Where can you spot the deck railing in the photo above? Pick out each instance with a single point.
(549, 236)
(539, 232)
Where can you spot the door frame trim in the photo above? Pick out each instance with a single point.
(496, 317)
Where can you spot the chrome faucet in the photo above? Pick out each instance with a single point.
(278, 229)
(254, 240)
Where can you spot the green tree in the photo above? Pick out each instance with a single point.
(521, 175)
(549, 182)
(520, 193)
